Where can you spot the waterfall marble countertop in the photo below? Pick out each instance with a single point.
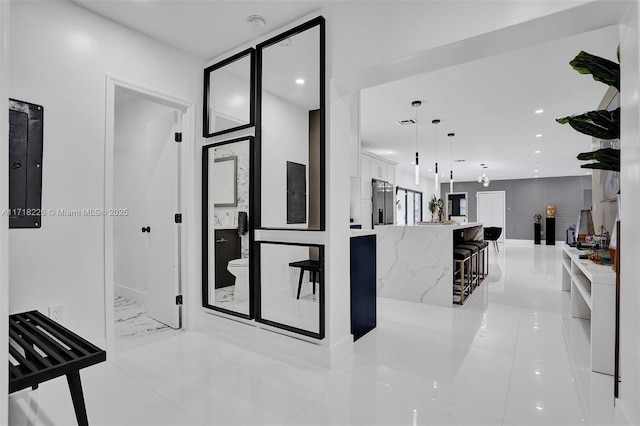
(415, 263)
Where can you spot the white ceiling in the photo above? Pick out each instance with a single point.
(203, 28)
(488, 103)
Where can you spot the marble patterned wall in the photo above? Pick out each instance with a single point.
(227, 217)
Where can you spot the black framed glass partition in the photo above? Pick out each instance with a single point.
(229, 94)
(226, 235)
(290, 129)
(290, 292)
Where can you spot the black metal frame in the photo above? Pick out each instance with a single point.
(320, 22)
(205, 227)
(258, 291)
(251, 52)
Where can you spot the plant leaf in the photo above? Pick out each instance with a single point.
(600, 166)
(602, 70)
(601, 124)
(603, 155)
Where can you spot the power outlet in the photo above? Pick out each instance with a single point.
(56, 313)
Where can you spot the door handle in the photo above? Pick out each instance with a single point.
(222, 240)
(146, 229)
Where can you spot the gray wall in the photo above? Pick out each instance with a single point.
(526, 197)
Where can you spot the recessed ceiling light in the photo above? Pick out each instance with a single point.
(299, 81)
(537, 151)
(588, 173)
(535, 176)
(429, 170)
(536, 171)
(460, 160)
(539, 111)
(539, 135)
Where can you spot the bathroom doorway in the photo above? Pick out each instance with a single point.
(143, 219)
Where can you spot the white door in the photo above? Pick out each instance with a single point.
(163, 273)
(491, 210)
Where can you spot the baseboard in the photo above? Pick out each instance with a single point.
(130, 293)
(271, 342)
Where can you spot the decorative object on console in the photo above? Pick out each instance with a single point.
(584, 226)
(537, 217)
(551, 210)
(483, 179)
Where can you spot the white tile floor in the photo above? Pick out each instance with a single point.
(509, 356)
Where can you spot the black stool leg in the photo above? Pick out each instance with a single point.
(314, 282)
(300, 282)
(78, 399)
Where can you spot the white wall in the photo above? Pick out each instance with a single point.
(285, 136)
(630, 186)
(136, 155)
(4, 204)
(63, 262)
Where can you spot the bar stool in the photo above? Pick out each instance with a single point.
(483, 248)
(474, 262)
(462, 267)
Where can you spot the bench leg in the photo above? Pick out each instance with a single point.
(78, 399)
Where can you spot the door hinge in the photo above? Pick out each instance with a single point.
(178, 217)
(179, 299)
(178, 136)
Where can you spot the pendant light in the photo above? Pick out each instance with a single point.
(437, 183)
(451, 135)
(483, 179)
(416, 104)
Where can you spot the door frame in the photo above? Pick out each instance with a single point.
(503, 237)
(186, 162)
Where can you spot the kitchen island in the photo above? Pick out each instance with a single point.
(415, 263)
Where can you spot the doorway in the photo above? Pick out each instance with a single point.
(143, 241)
(491, 210)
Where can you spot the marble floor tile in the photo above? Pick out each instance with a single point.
(511, 355)
(134, 327)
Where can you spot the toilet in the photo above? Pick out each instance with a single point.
(239, 268)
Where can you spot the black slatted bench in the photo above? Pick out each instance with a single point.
(40, 349)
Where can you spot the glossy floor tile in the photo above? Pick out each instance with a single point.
(512, 355)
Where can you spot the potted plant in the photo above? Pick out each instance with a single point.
(601, 124)
(436, 206)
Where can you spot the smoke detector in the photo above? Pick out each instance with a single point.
(256, 22)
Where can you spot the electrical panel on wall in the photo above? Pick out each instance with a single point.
(25, 164)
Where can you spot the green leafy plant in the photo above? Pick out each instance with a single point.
(601, 124)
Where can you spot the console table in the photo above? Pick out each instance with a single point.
(593, 297)
(41, 349)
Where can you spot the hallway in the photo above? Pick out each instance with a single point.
(510, 355)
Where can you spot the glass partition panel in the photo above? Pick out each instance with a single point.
(291, 290)
(290, 128)
(229, 94)
(226, 177)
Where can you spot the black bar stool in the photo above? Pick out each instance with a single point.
(461, 274)
(313, 266)
(483, 246)
(474, 262)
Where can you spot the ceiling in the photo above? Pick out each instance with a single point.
(195, 26)
(489, 103)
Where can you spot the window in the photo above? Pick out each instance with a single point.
(409, 205)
